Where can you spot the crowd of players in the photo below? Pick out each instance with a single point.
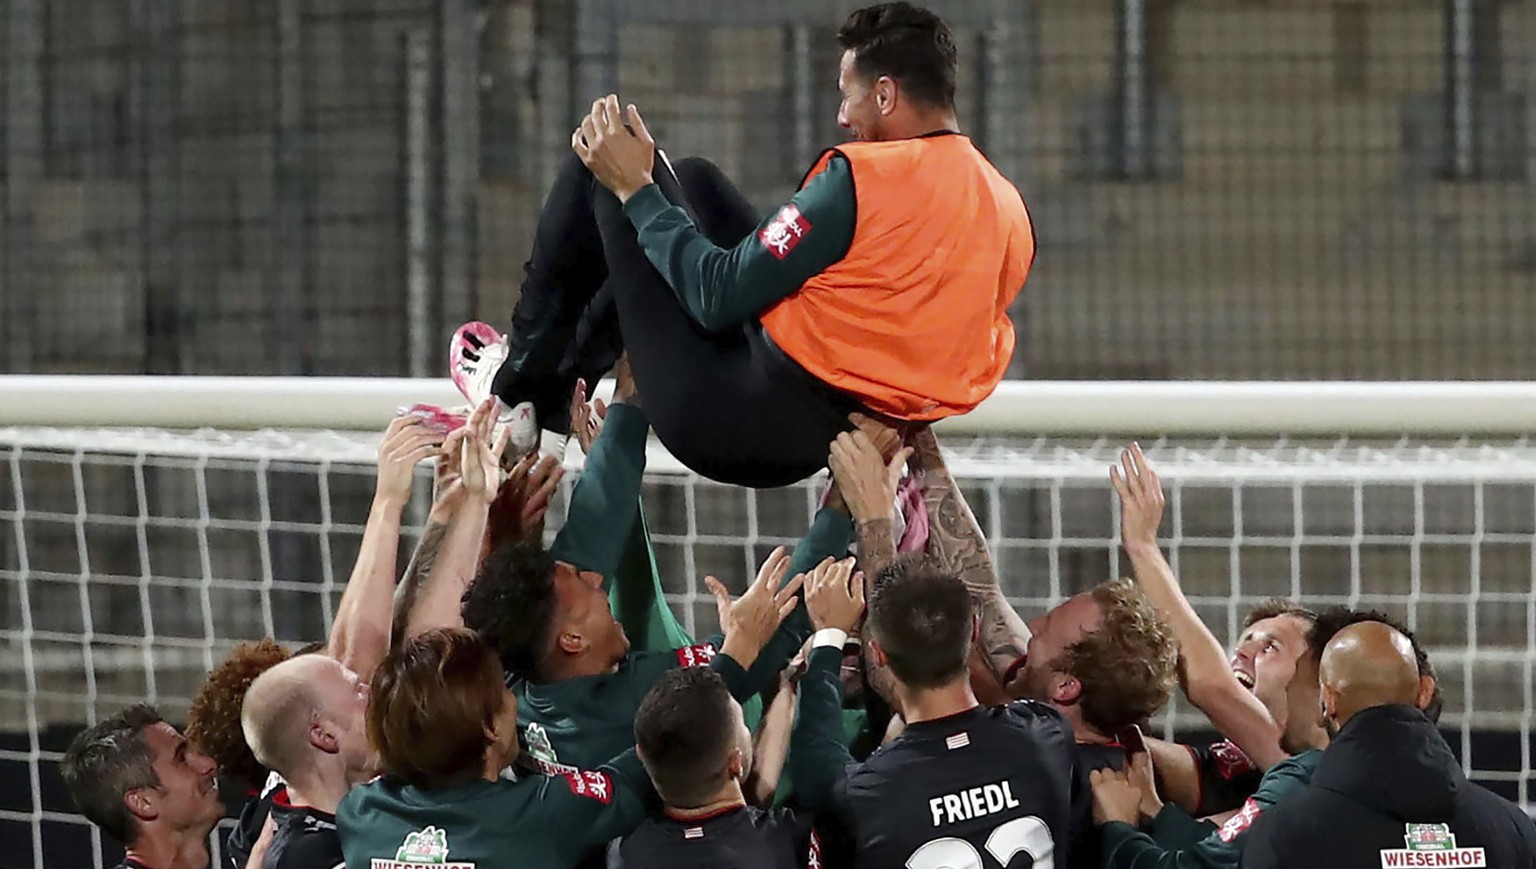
(509, 703)
(872, 700)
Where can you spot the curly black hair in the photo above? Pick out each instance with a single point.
(1334, 619)
(511, 605)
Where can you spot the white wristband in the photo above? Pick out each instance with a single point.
(834, 637)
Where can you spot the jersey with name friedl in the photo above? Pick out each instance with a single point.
(984, 789)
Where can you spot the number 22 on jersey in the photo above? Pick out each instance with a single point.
(1022, 835)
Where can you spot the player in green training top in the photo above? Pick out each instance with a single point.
(550, 615)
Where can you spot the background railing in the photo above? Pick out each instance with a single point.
(1316, 189)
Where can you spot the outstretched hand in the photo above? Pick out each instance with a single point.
(751, 620)
(616, 147)
(866, 479)
(586, 419)
(518, 511)
(1141, 498)
(834, 596)
(405, 444)
(480, 456)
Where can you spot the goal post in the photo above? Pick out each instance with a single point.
(149, 524)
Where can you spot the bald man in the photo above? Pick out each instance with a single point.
(1387, 792)
(304, 720)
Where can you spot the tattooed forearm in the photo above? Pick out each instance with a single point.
(954, 535)
(416, 573)
(877, 548)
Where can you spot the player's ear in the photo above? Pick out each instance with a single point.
(886, 91)
(875, 653)
(1426, 691)
(321, 737)
(572, 643)
(1065, 689)
(736, 766)
(142, 803)
(975, 629)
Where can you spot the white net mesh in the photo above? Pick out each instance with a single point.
(136, 559)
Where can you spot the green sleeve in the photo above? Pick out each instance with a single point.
(585, 810)
(830, 534)
(603, 501)
(637, 598)
(1125, 847)
(818, 759)
(1175, 828)
(722, 288)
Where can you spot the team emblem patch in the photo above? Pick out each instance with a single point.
(784, 231)
(1230, 760)
(427, 847)
(592, 785)
(695, 656)
(1239, 823)
(1431, 845)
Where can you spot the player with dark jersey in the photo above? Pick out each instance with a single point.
(304, 838)
(964, 785)
(695, 745)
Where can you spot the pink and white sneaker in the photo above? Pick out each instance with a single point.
(474, 356)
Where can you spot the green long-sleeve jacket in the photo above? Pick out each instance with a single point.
(1174, 840)
(545, 821)
(579, 723)
(722, 288)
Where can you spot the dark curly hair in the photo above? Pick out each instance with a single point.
(1127, 665)
(1334, 619)
(511, 605)
(213, 722)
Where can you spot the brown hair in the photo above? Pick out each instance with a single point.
(1128, 665)
(432, 700)
(684, 734)
(1275, 607)
(923, 618)
(213, 722)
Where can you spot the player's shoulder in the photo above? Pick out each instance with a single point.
(307, 840)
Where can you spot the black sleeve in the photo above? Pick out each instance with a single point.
(1227, 777)
(309, 852)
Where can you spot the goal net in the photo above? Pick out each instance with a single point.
(134, 559)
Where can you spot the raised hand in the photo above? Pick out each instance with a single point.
(616, 146)
(866, 479)
(523, 499)
(586, 419)
(480, 458)
(405, 444)
(750, 621)
(834, 596)
(1141, 498)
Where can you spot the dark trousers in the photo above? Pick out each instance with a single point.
(729, 405)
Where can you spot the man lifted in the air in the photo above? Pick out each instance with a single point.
(883, 285)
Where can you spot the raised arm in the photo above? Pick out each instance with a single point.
(1208, 678)
(604, 501)
(720, 288)
(449, 551)
(818, 758)
(867, 477)
(360, 633)
(954, 536)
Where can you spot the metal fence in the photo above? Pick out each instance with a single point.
(1309, 189)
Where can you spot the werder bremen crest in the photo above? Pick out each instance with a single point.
(427, 847)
